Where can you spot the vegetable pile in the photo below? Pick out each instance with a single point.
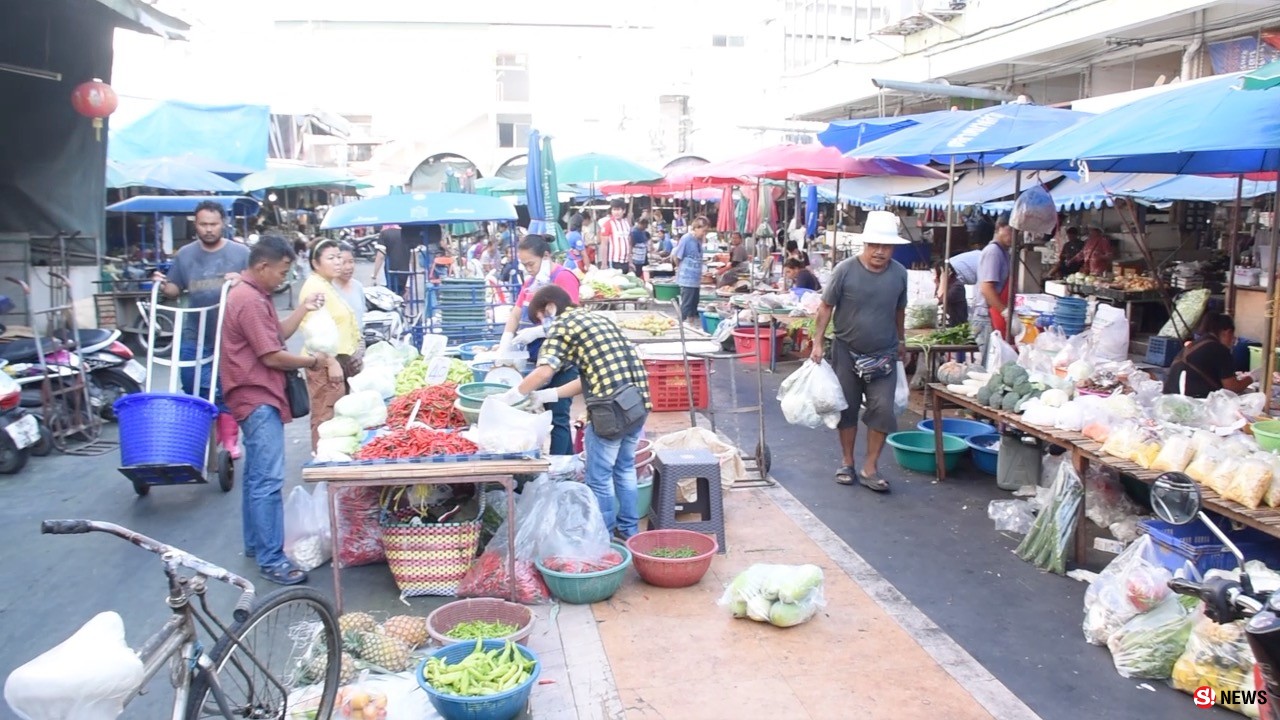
(412, 377)
(437, 408)
(959, 335)
(652, 323)
(488, 578)
(577, 566)
(1050, 537)
(481, 630)
(673, 553)
(1008, 389)
(414, 443)
(480, 673)
(459, 373)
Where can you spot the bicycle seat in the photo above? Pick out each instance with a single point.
(23, 350)
(92, 674)
(85, 338)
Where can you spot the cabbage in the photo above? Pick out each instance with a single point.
(337, 445)
(798, 582)
(785, 614)
(340, 427)
(364, 407)
(758, 608)
(1054, 398)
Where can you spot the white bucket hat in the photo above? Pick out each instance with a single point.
(882, 228)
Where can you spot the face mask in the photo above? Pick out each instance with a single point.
(548, 317)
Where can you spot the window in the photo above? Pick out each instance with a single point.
(513, 130)
(513, 78)
(728, 41)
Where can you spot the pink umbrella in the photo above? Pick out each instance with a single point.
(804, 162)
(725, 220)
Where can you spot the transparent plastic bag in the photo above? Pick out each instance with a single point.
(1122, 441)
(1011, 516)
(320, 333)
(1272, 496)
(999, 353)
(1110, 333)
(781, 595)
(1105, 499)
(1179, 409)
(576, 532)
(1218, 656)
(1149, 644)
(812, 396)
(1224, 474)
(488, 575)
(1204, 465)
(1251, 482)
(901, 393)
(359, 531)
(1133, 582)
(307, 536)
(1034, 212)
(1176, 453)
(1222, 410)
(504, 429)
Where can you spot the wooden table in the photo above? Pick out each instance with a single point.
(476, 472)
(1084, 451)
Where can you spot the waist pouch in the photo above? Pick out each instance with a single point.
(873, 367)
(617, 413)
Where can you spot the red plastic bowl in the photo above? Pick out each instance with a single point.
(672, 572)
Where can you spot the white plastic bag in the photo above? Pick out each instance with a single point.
(320, 333)
(377, 378)
(901, 394)
(812, 396)
(1110, 331)
(365, 407)
(504, 429)
(999, 352)
(1034, 212)
(306, 527)
(51, 687)
(781, 595)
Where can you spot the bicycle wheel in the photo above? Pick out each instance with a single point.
(290, 632)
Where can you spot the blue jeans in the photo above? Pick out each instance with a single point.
(611, 475)
(262, 504)
(187, 375)
(561, 432)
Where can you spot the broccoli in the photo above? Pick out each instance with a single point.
(995, 399)
(1024, 389)
(995, 383)
(1010, 401)
(984, 395)
(1013, 375)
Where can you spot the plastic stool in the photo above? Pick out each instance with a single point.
(672, 466)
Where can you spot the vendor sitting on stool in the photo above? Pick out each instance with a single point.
(1206, 365)
(800, 276)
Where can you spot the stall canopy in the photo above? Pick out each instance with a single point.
(184, 204)
(847, 135)
(870, 193)
(1097, 191)
(418, 209)
(1199, 188)
(296, 176)
(976, 188)
(236, 134)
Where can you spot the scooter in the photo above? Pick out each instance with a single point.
(1175, 498)
(113, 371)
(382, 318)
(19, 430)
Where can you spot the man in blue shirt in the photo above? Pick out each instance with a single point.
(688, 259)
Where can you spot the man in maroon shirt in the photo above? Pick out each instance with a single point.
(252, 372)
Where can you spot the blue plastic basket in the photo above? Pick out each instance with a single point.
(467, 351)
(984, 458)
(164, 429)
(1162, 350)
(1177, 544)
(503, 706)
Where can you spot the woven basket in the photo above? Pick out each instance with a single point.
(448, 616)
(431, 559)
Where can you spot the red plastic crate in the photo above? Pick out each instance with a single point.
(667, 387)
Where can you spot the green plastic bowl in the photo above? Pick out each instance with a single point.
(914, 450)
(471, 395)
(644, 499)
(1267, 433)
(587, 588)
(666, 291)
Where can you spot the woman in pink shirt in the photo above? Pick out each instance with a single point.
(534, 252)
(1097, 253)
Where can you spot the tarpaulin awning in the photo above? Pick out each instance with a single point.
(236, 134)
(431, 208)
(295, 177)
(983, 135)
(977, 187)
(870, 192)
(1200, 188)
(848, 135)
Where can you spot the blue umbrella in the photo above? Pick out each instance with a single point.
(1211, 127)
(533, 185)
(811, 212)
(168, 174)
(847, 135)
(418, 209)
(984, 135)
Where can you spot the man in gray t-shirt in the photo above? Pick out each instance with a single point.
(867, 299)
(199, 270)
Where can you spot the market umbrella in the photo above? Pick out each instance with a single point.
(542, 190)
(418, 208)
(740, 207)
(811, 212)
(724, 215)
(293, 176)
(802, 162)
(168, 174)
(983, 135)
(592, 169)
(1265, 77)
(849, 135)
(453, 184)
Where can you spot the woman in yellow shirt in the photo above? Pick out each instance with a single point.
(328, 383)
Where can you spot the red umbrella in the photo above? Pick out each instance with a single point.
(670, 185)
(725, 219)
(804, 162)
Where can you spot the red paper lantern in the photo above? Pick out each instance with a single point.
(94, 99)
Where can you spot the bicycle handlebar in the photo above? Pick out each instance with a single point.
(171, 555)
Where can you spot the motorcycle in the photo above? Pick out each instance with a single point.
(383, 321)
(111, 367)
(20, 431)
(1175, 498)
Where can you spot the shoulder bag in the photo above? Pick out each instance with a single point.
(618, 413)
(295, 391)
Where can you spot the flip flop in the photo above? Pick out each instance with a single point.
(873, 483)
(845, 475)
(283, 574)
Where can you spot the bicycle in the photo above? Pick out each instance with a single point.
(230, 681)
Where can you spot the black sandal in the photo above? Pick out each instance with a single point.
(284, 574)
(845, 475)
(873, 483)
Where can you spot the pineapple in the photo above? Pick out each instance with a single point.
(408, 628)
(385, 651)
(312, 671)
(356, 622)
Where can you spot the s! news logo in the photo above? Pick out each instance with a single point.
(1205, 697)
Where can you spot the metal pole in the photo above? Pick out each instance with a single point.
(946, 253)
(1013, 265)
(1231, 246)
(1269, 344)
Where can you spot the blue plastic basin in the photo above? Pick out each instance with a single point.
(985, 458)
(957, 426)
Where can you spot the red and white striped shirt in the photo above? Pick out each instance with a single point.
(615, 239)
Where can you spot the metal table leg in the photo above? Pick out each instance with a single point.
(939, 458)
(333, 548)
(509, 485)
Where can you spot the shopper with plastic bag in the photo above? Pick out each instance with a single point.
(866, 299)
(812, 396)
(781, 595)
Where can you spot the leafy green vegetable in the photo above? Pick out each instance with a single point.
(684, 551)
